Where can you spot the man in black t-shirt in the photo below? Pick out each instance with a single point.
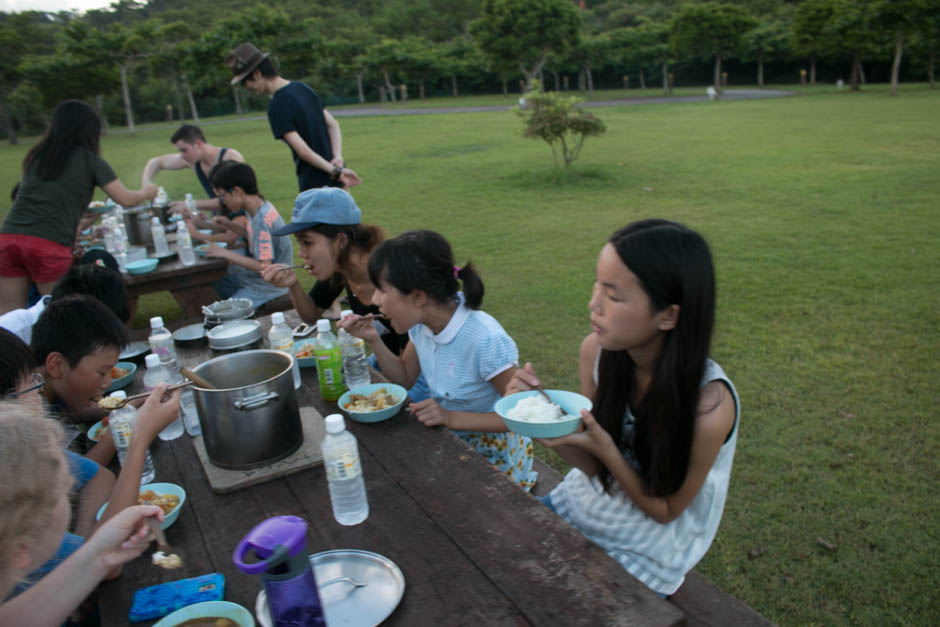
(297, 116)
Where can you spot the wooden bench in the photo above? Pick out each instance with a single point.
(704, 603)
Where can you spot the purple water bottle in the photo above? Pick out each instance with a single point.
(285, 570)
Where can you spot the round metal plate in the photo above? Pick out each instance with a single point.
(190, 332)
(134, 349)
(344, 604)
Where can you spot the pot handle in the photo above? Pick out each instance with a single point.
(254, 402)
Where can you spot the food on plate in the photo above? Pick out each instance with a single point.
(379, 399)
(96, 204)
(168, 562)
(536, 409)
(208, 621)
(166, 502)
(117, 373)
(109, 403)
(306, 350)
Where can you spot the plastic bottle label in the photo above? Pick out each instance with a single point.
(346, 466)
(121, 433)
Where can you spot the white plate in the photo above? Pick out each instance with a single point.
(342, 603)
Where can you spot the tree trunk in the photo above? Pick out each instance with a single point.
(388, 86)
(589, 76)
(582, 83)
(179, 96)
(382, 96)
(99, 109)
(642, 79)
(812, 69)
(534, 72)
(931, 62)
(453, 85)
(760, 71)
(192, 100)
(421, 89)
(555, 76)
(716, 79)
(6, 121)
(853, 77)
(505, 82)
(896, 66)
(861, 71)
(667, 86)
(238, 101)
(359, 91)
(126, 92)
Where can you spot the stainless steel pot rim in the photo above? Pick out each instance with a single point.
(241, 354)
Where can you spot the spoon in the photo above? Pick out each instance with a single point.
(110, 403)
(195, 378)
(542, 392)
(349, 580)
(170, 558)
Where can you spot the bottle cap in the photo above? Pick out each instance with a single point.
(156, 322)
(121, 395)
(155, 220)
(344, 313)
(323, 326)
(335, 423)
(152, 361)
(188, 195)
(277, 317)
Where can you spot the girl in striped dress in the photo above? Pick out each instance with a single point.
(464, 354)
(651, 463)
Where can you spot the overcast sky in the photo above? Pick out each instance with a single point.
(10, 6)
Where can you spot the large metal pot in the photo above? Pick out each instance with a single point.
(251, 419)
(137, 225)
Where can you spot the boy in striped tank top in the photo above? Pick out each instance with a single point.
(653, 460)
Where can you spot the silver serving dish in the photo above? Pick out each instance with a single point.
(342, 602)
(234, 334)
(228, 309)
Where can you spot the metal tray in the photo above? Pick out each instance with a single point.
(342, 603)
(134, 349)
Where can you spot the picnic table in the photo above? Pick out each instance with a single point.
(473, 547)
(191, 286)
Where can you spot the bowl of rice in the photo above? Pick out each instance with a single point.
(167, 496)
(528, 413)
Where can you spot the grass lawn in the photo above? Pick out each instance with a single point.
(823, 213)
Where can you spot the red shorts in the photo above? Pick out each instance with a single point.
(39, 259)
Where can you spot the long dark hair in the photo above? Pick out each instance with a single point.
(424, 260)
(674, 267)
(74, 125)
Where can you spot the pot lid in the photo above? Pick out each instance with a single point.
(234, 334)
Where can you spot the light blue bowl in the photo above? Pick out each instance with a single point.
(100, 209)
(202, 248)
(304, 362)
(117, 384)
(374, 416)
(570, 403)
(142, 266)
(159, 488)
(209, 609)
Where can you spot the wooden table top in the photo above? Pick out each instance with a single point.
(473, 547)
(175, 268)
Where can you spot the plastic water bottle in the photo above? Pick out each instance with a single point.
(184, 245)
(161, 201)
(120, 247)
(355, 365)
(190, 415)
(156, 374)
(122, 429)
(108, 227)
(160, 247)
(281, 338)
(344, 473)
(161, 343)
(190, 203)
(329, 362)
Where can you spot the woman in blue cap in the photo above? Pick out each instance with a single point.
(335, 247)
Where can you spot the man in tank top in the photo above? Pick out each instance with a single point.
(193, 151)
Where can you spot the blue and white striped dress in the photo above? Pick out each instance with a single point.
(459, 364)
(657, 554)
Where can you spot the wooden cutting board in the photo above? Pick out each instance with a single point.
(223, 480)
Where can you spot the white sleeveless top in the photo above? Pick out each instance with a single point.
(657, 554)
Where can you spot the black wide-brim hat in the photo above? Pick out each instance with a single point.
(244, 60)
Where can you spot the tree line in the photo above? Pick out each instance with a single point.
(149, 60)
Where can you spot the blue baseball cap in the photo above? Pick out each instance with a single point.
(321, 205)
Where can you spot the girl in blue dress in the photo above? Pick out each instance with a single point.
(464, 354)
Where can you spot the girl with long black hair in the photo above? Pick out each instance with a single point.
(59, 177)
(653, 460)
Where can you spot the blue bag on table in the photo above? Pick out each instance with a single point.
(157, 601)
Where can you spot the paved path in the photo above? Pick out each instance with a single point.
(364, 111)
